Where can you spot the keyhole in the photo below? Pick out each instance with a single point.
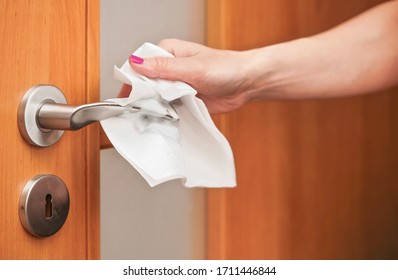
(49, 207)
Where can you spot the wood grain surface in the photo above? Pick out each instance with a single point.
(92, 131)
(46, 42)
(316, 179)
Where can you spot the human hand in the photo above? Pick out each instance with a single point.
(219, 76)
(343, 61)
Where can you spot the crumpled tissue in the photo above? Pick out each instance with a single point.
(191, 149)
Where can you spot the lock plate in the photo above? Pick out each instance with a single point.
(44, 205)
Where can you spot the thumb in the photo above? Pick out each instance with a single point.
(168, 68)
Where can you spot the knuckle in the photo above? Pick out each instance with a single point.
(167, 44)
(161, 66)
(173, 46)
(161, 62)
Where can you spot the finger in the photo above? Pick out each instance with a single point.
(181, 69)
(181, 48)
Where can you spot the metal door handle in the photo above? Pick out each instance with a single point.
(66, 117)
(43, 115)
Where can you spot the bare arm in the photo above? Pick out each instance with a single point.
(356, 57)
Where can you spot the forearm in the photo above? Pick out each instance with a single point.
(356, 57)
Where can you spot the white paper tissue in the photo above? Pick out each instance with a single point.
(191, 149)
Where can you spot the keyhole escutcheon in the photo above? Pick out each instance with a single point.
(49, 207)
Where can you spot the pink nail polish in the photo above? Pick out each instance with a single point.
(136, 59)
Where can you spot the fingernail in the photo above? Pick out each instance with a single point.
(136, 59)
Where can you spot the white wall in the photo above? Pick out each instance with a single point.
(137, 221)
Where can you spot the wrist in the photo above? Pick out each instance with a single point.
(277, 71)
(262, 73)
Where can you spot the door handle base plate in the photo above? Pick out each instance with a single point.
(30, 105)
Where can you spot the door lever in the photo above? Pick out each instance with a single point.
(43, 114)
(52, 116)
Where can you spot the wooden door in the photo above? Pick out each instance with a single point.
(316, 179)
(49, 42)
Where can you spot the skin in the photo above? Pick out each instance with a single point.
(357, 57)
